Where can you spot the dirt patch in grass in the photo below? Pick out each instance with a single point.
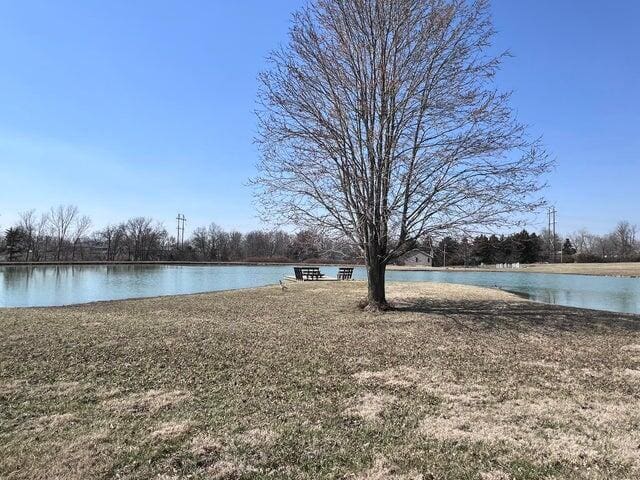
(226, 469)
(402, 376)
(55, 421)
(150, 402)
(205, 445)
(632, 373)
(83, 456)
(580, 433)
(495, 475)
(455, 382)
(259, 437)
(370, 406)
(12, 386)
(171, 430)
(382, 469)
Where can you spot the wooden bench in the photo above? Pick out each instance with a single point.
(345, 273)
(308, 273)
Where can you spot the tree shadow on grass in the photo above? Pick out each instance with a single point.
(520, 316)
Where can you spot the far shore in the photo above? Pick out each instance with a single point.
(172, 262)
(622, 269)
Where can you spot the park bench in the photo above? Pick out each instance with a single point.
(345, 273)
(308, 273)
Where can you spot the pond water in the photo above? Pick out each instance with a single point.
(22, 286)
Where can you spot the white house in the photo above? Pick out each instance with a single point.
(416, 258)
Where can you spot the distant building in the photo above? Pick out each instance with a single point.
(416, 258)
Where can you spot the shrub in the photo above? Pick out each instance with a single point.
(588, 258)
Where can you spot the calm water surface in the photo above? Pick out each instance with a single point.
(62, 285)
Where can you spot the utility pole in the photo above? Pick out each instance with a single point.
(180, 238)
(553, 234)
(444, 253)
(551, 215)
(550, 240)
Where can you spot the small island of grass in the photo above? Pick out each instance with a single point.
(455, 382)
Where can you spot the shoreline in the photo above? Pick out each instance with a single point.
(169, 263)
(521, 296)
(620, 270)
(608, 269)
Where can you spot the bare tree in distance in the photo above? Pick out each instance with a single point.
(61, 219)
(36, 234)
(112, 237)
(624, 239)
(379, 123)
(80, 228)
(42, 229)
(29, 225)
(144, 238)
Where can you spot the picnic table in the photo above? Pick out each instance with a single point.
(345, 273)
(314, 273)
(308, 273)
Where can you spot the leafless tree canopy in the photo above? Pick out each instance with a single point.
(379, 122)
(61, 218)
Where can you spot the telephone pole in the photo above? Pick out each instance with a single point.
(180, 238)
(444, 253)
(554, 234)
(551, 215)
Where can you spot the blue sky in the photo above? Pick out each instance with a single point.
(146, 108)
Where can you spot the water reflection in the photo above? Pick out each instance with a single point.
(600, 293)
(61, 285)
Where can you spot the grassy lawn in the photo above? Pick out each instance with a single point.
(457, 383)
(622, 269)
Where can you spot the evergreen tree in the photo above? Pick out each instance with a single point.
(567, 248)
(15, 240)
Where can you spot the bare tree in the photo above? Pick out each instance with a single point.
(624, 239)
(112, 237)
(223, 245)
(379, 123)
(200, 241)
(61, 219)
(28, 223)
(217, 241)
(145, 241)
(582, 240)
(42, 238)
(80, 228)
(257, 244)
(35, 234)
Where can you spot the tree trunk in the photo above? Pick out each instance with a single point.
(376, 299)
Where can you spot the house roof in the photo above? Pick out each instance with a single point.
(413, 251)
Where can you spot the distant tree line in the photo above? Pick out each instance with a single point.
(620, 245)
(63, 234)
(522, 247)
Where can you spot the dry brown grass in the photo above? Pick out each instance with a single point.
(171, 430)
(370, 406)
(458, 382)
(629, 269)
(622, 269)
(151, 401)
(382, 469)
